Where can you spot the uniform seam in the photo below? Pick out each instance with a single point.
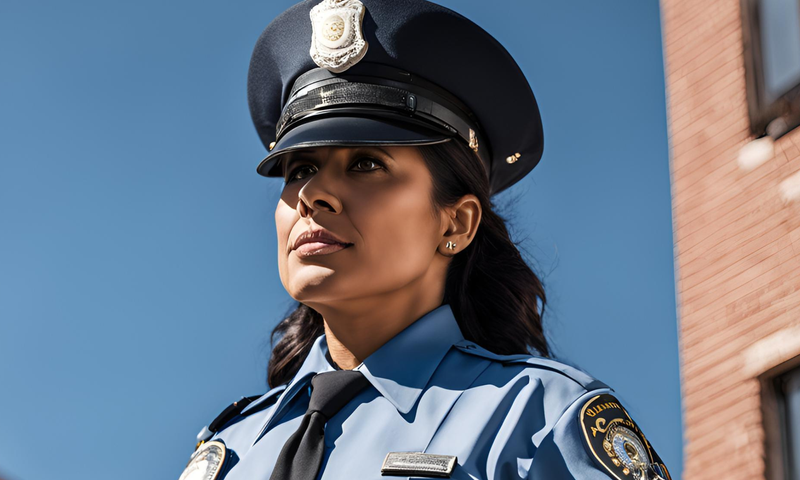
(524, 365)
(523, 362)
(453, 405)
(552, 369)
(265, 404)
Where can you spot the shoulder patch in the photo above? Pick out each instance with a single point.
(206, 462)
(584, 379)
(614, 440)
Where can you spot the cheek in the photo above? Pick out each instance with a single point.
(399, 231)
(285, 218)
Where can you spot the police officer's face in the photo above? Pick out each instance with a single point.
(376, 205)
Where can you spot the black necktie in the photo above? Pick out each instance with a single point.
(301, 456)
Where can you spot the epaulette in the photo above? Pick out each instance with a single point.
(255, 404)
(585, 380)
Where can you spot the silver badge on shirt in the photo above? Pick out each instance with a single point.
(418, 463)
(205, 463)
(337, 42)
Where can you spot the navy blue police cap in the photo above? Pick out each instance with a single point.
(390, 72)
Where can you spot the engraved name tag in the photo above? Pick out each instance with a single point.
(418, 463)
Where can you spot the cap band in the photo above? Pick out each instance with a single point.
(360, 95)
(345, 94)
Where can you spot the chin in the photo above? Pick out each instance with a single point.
(313, 283)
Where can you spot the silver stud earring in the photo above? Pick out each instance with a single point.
(451, 245)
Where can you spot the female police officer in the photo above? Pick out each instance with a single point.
(417, 347)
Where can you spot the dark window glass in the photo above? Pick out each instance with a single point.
(788, 389)
(780, 34)
(772, 57)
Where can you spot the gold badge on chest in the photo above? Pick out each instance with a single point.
(206, 462)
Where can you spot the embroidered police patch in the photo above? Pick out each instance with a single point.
(206, 462)
(615, 441)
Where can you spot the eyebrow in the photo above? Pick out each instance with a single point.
(368, 149)
(300, 155)
(362, 148)
(295, 156)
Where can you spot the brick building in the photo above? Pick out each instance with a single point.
(733, 83)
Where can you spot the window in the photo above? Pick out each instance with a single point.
(771, 33)
(781, 408)
(787, 388)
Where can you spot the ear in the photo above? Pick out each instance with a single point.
(461, 224)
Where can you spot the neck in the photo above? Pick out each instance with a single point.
(356, 328)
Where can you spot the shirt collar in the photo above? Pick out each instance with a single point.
(401, 368)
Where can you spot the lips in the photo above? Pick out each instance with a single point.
(318, 242)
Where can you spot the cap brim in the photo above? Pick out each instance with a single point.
(347, 131)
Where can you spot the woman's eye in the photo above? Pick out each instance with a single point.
(300, 173)
(367, 164)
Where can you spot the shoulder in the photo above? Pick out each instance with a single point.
(240, 408)
(544, 386)
(535, 366)
(590, 433)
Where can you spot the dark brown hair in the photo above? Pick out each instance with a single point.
(495, 296)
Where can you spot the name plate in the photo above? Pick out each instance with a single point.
(418, 463)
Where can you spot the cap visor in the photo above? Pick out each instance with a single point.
(346, 131)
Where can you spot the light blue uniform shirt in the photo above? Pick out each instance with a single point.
(432, 391)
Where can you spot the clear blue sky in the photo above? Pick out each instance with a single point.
(138, 277)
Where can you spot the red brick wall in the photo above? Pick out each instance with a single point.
(737, 242)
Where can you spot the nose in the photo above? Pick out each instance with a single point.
(316, 195)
